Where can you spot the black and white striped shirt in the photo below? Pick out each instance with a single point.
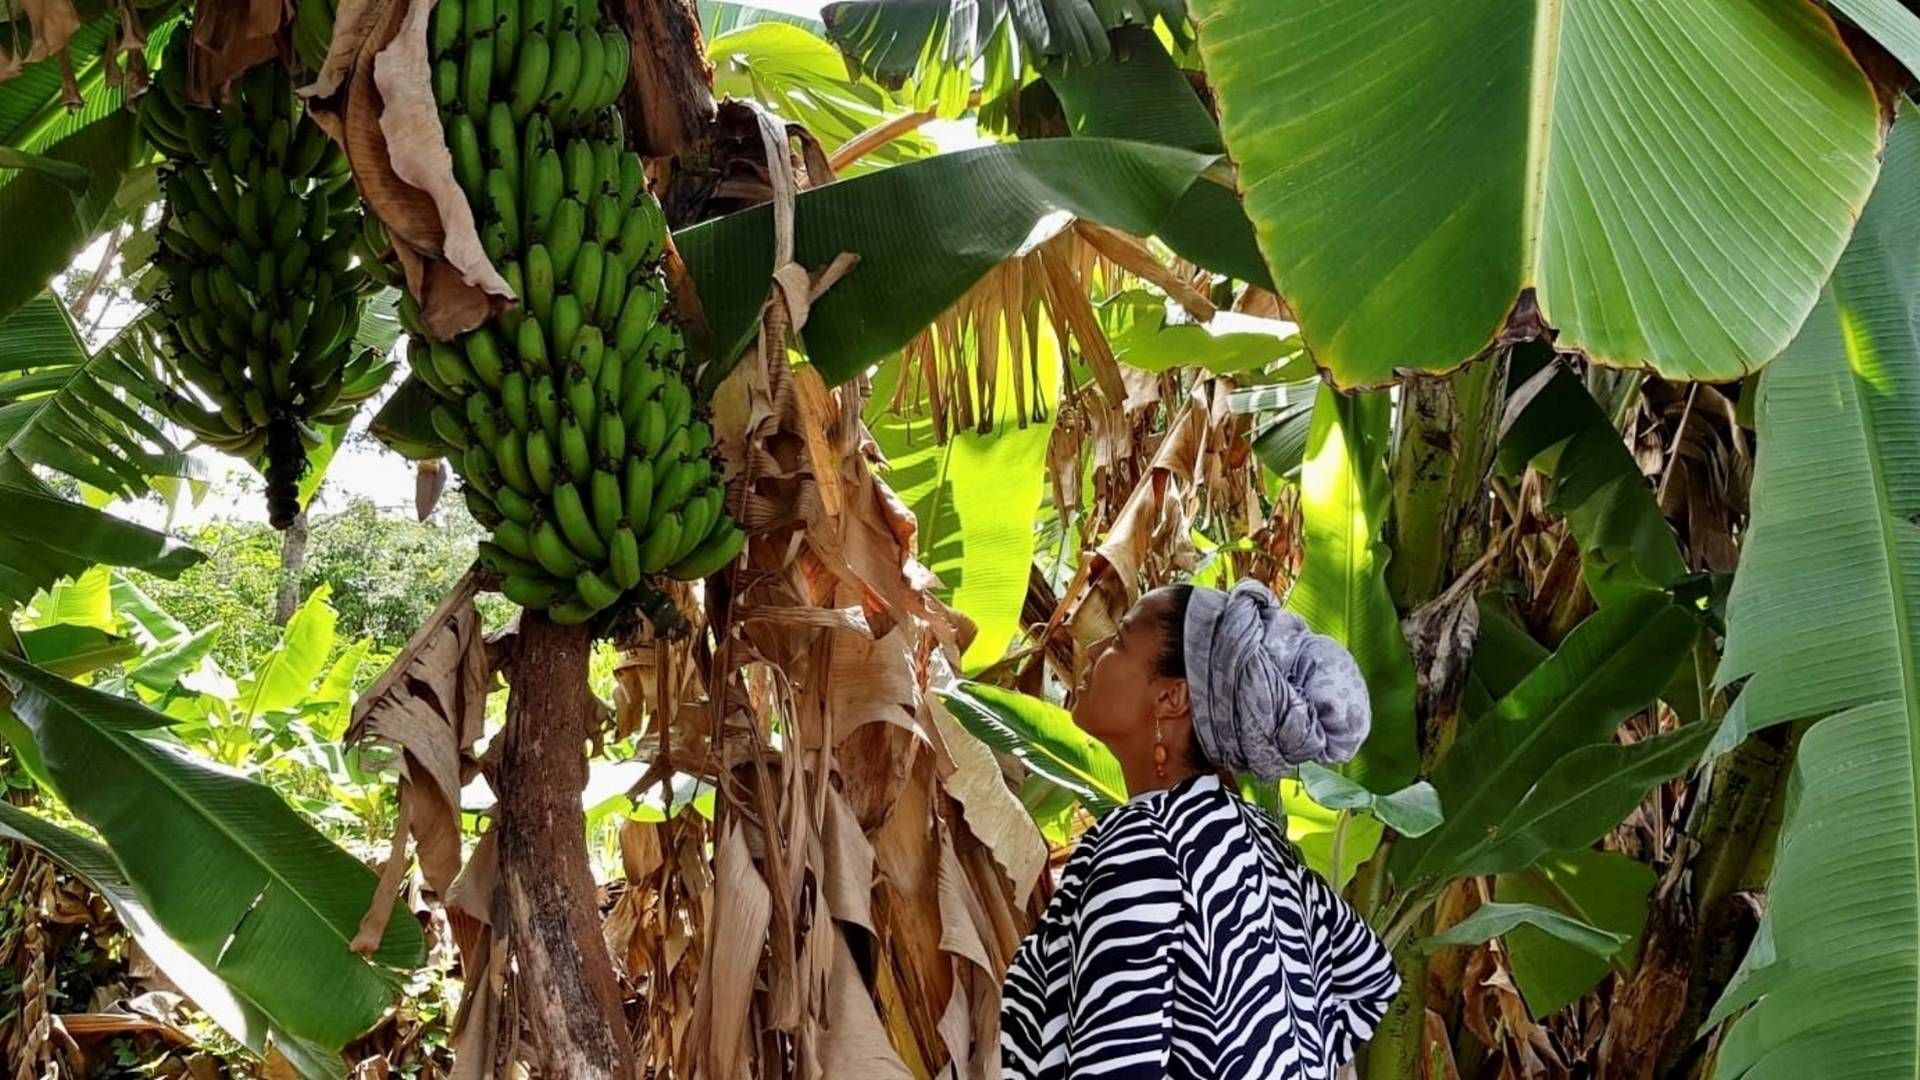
(1188, 940)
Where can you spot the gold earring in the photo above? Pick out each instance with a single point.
(1159, 752)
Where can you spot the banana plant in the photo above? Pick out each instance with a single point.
(1822, 629)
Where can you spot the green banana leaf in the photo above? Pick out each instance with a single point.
(1580, 797)
(71, 651)
(1283, 418)
(895, 40)
(244, 885)
(285, 677)
(1502, 656)
(1490, 921)
(46, 221)
(43, 538)
(1626, 546)
(236, 1015)
(1667, 183)
(803, 79)
(719, 16)
(1138, 93)
(73, 413)
(1043, 736)
(977, 499)
(1610, 666)
(1342, 588)
(1414, 810)
(1824, 624)
(1151, 333)
(924, 233)
(1604, 889)
(1895, 27)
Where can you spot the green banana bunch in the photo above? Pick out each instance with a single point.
(265, 259)
(570, 419)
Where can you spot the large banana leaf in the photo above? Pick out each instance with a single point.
(1604, 889)
(1610, 666)
(1342, 588)
(73, 413)
(804, 80)
(976, 498)
(1042, 735)
(47, 220)
(43, 538)
(894, 40)
(1137, 93)
(1666, 182)
(1894, 26)
(76, 415)
(1626, 545)
(924, 232)
(1824, 621)
(244, 885)
(238, 1016)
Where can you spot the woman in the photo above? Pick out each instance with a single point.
(1187, 939)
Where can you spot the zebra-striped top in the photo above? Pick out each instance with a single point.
(1188, 940)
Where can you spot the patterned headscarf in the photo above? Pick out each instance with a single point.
(1267, 693)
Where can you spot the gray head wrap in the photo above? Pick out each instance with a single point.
(1267, 693)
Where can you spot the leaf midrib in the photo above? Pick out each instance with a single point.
(146, 765)
(1902, 609)
(1531, 736)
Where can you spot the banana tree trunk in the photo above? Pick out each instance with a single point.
(566, 978)
(1448, 431)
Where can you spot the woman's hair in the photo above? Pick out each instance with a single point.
(1172, 661)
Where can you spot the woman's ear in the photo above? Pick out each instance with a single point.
(1170, 699)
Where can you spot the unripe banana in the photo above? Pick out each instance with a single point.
(540, 282)
(623, 556)
(663, 536)
(575, 526)
(536, 592)
(584, 282)
(546, 403)
(571, 611)
(581, 98)
(516, 539)
(574, 451)
(476, 72)
(510, 457)
(609, 507)
(515, 401)
(566, 229)
(469, 166)
(506, 40)
(637, 491)
(566, 322)
(503, 203)
(552, 552)
(719, 549)
(503, 139)
(536, 15)
(595, 591)
(481, 508)
(563, 73)
(446, 26)
(578, 168)
(515, 503)
(530, 73)
(541, 464)
(695, 521)
(618, 64)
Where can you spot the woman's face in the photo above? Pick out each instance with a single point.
(1122, 690)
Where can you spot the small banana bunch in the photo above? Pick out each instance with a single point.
(570, 419)
(260, 302)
